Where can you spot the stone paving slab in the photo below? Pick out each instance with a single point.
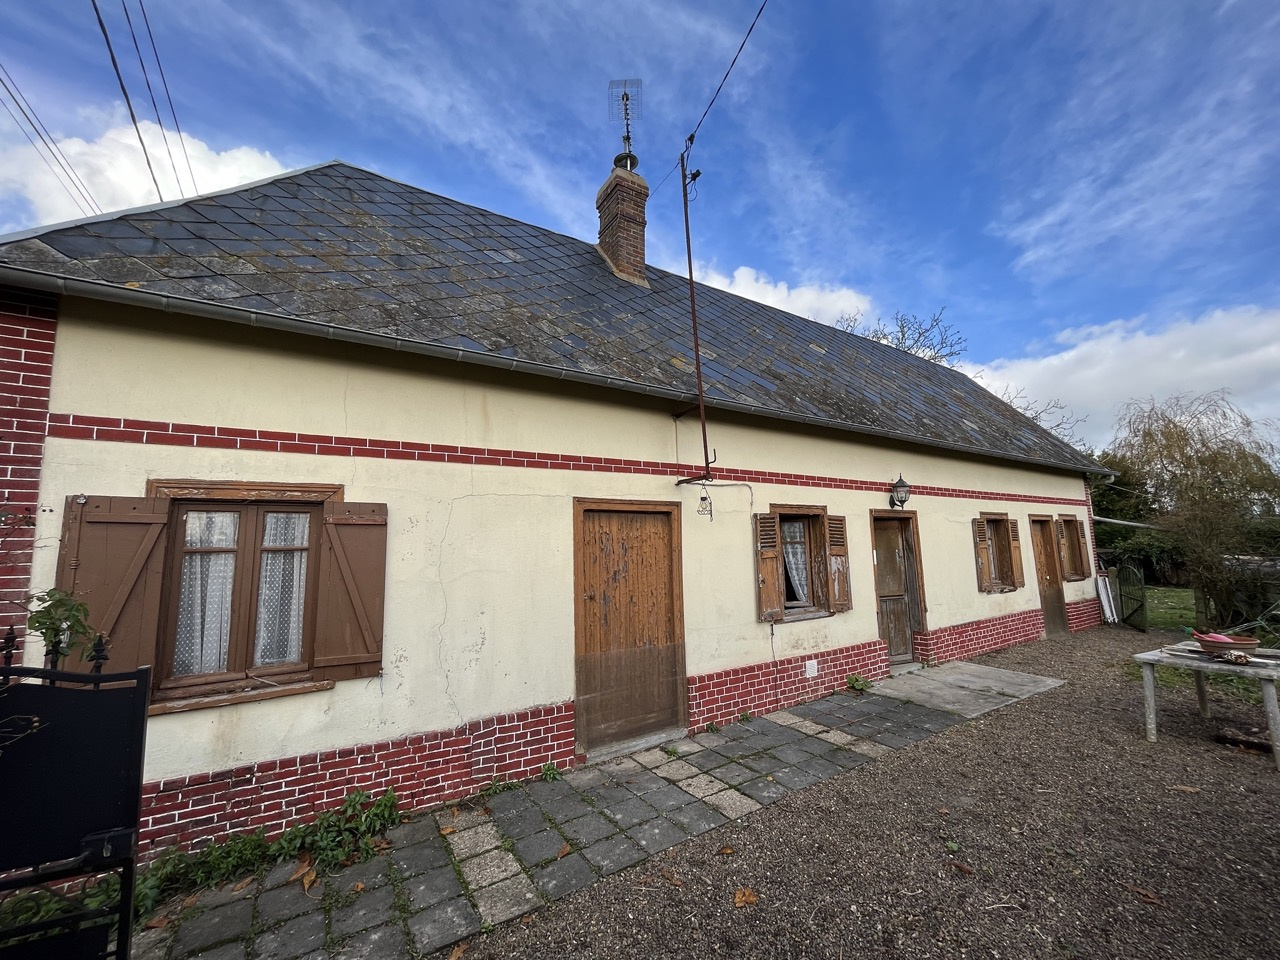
(941, 695)
(470, 865)
(1007, 682)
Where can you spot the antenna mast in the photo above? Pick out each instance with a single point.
(625, 103)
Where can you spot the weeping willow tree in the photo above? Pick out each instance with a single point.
(1212, 475)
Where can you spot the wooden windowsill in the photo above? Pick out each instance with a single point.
(240, 696)
(801, 615)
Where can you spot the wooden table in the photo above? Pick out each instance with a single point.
(1265, 668)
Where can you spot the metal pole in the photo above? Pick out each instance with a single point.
(693, 311)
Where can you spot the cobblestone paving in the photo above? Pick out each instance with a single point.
(463, 868)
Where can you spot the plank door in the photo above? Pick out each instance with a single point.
(1048, 577)
(630, 625)
(898, 609)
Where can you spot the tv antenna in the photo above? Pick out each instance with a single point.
(625, 102)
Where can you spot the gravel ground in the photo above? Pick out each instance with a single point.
(1047, 829)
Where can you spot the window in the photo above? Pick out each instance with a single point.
(802, 563)
(231, 591)
(1073, 548)
(998, 553)
(241, 590)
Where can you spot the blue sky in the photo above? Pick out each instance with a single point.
(1088, 188)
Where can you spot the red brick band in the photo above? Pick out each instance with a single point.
(424, 769)
(123, 430)
(758, 688)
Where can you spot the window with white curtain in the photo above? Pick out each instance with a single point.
(243, 589)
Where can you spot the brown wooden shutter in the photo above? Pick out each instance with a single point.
(1086, 561)
(769, 589)
(838, 550)
(980, 555)
(113, 559)
(353, 565)
(1015, 555)
(1064, 548)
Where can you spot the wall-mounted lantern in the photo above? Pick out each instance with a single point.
(704, 504)
(899, 493)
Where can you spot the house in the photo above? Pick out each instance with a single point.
(388, 491)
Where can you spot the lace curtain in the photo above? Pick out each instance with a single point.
(282, 582)
(796, 555)
(204, 602)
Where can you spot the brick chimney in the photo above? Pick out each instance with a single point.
(621, 203)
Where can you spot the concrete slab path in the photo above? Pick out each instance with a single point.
(466, 867)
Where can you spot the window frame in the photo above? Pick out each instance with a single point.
(1073, 547)
(827, 555)
(997, 553)
(245, 599)
(116, 554)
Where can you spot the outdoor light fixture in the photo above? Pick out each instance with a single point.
(899, 493)
(704, 504)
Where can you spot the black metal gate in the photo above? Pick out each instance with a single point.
(1133, 597)
(71, 749)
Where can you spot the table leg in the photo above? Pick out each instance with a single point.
(1149, 698)
(1273, 717)
(1201, 695)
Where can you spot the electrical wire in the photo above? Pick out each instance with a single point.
(195, 187)
(115, 65)
(74, 199)
(688, 144)
(732, 64)
(146, 78)
(28, 112)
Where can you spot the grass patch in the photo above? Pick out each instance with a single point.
(1170, 608)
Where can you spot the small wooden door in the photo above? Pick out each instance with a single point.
(898, 608)
(629, 629)
(1049, 578)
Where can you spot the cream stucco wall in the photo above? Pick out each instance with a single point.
(479, 610)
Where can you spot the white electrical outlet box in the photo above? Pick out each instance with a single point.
(811, 668)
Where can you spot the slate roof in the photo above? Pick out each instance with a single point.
(372, 259)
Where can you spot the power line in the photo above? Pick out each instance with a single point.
(688, 144)
(115, 65)
(165, 83)
(28, 112)
(74, 199)
(146, 78)
(732, 64)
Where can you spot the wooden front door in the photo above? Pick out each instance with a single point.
(899, 612)
(629, 621)
(1049, 578)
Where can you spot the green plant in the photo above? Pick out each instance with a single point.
(499, 785)
(671, 752)
(713, 727)
(744, 716)
(335, 838)
(858, 683)
(551, 772)
(62, 622)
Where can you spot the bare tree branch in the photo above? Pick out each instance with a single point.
(932, 338)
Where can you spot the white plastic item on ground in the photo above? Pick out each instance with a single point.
(1104, 595)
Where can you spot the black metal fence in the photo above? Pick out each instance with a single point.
(71, 753)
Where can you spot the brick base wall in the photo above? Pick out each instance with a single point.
(963, 640)
(1084, 614)
(774, 685)
(424, 769)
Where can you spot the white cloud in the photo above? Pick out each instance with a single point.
(114, 171)
(1097, 368)
(820, 302)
